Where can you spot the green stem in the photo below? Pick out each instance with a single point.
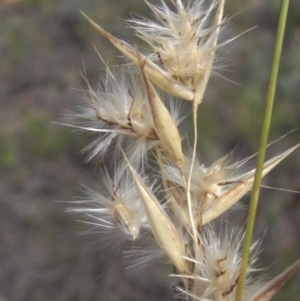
(262, 149)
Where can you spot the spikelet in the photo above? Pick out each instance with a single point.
(216, 188)
(120, 114)
(183, 42)
(216, 271)
(232, 195)
(160, 77)
(118, 110)
(114, 212)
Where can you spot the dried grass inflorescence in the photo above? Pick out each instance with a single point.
(133, 113)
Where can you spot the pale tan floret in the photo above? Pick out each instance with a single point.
(235, 193)
(215, 290)
(113, 209)
(126, 220)
(164, 80)
(216, 270)
(123, 103)
(184, 42)
(214, 189)
(125, 112)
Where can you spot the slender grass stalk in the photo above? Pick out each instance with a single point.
(262, 148)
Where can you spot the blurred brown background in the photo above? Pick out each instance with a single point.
(42, 46)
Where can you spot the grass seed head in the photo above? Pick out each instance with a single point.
(128, 110)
